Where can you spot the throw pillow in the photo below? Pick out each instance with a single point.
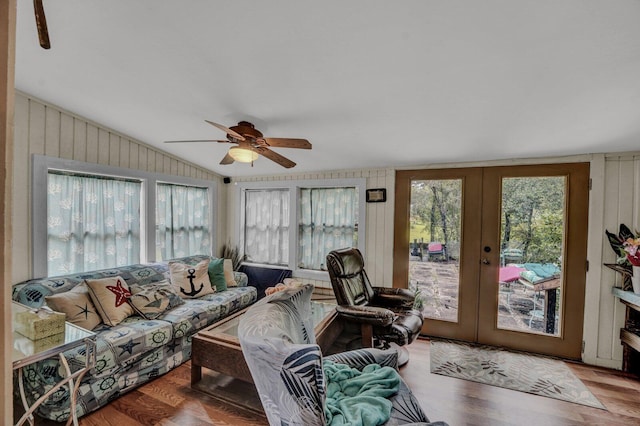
(153, 299)
(191, 281)
(110, 297)
(76, 304)
(228, 273)
(216, 275)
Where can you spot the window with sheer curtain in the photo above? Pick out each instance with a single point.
(315, 219)
(266, 226)
(182, 221)
(93, 222)
(328, 220)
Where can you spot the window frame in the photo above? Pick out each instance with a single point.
(40, 167)
(294, 187)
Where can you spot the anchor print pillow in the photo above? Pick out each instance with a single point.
(191, 281)
(110, 297)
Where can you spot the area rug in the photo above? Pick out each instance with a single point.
(518, 371)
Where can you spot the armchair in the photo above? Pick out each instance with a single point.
(385, 315)
(277, 340)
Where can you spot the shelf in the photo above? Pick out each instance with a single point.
(627, 296)
(629, 338)
(630, 333)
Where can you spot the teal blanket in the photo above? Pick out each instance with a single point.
(359, 398)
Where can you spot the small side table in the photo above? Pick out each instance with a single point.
(26, 354)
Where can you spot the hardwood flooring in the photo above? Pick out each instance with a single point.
(169, 400)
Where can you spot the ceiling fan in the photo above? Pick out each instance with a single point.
(251, 143)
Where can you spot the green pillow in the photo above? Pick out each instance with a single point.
(216, 275)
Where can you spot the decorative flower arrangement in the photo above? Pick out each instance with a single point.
(626, 245)
(631, 247)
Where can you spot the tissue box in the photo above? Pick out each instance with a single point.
(28, 347)
(39, 324)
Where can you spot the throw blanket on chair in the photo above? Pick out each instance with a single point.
(359, 398)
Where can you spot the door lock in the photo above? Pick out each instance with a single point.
(485, 261)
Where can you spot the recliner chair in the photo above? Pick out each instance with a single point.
(385, 315)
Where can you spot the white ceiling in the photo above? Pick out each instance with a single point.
(370, 83)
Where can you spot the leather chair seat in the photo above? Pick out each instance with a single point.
(384, 313)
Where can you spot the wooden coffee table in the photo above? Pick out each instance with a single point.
(217, 348)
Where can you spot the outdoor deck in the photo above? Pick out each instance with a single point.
(438, 283)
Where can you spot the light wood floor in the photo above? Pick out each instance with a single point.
(169, 400)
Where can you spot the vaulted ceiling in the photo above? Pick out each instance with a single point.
(370, 83)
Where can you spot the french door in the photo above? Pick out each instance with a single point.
(496, 254)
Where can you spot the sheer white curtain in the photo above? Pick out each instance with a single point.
(92, 223)
(182, 221)
(266, 233)
(328, 220)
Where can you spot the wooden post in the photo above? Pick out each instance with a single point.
(7, 88)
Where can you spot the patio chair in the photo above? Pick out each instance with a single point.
(436, 249)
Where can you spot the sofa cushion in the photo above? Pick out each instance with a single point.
(77, 305)
(197, 313)
(152, 300)
(110, 297)
(191, 281)
(216, 275)
(126, 342)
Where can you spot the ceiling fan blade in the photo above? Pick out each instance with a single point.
(41, 24)
(288, 143)
(226, 130)
(227, 159)
(199, 140)
(274, 156)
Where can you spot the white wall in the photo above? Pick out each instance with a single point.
(615, 199)
(44, 129)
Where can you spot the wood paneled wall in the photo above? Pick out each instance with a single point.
(615, 199)
(44, 129)
(379, 219)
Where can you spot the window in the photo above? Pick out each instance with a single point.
(92, 222)
(182, 221)
(90, 216)
(294, 224)
(266, 226)
(328, 220)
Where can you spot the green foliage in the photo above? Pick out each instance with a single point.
(418, 302)
(532, 215)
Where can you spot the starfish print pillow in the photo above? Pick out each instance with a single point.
(77, 305)
(191, 281)
(110, 297)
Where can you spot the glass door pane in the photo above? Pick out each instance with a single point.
(532, 232)
(434, 246)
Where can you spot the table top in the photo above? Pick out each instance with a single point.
(27, 351)
(229, 327)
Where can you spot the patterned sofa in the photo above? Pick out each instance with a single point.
(295, 384)
(134, 351)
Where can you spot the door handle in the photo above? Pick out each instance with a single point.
(485, 261)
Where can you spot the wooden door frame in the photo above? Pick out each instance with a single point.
(568, 344)
(465, 328)
(7, 90)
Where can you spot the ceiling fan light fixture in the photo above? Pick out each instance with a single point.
(243, 155)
